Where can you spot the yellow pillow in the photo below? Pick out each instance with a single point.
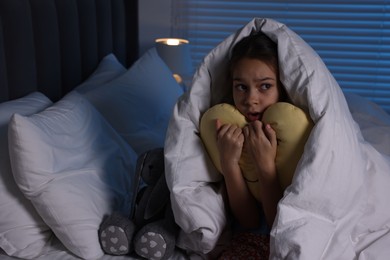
(292, 126)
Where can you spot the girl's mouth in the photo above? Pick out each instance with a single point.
(251, 117)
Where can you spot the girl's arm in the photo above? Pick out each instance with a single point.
(261, 144)
(271, 193)
(243, 205)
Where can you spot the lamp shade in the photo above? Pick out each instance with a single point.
(176, 54)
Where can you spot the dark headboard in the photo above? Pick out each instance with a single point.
(53, 45)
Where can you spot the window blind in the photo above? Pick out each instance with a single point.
(351, 36)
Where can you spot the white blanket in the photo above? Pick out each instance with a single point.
(338, 205)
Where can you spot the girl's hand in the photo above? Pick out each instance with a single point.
(230, 141)
(261, 144)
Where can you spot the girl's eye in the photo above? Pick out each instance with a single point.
(265, 86)
(240, 87)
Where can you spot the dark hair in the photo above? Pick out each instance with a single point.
(256, 46)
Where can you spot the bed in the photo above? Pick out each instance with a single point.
(79, 105)
(70, 73)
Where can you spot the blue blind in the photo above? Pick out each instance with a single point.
(352, 37)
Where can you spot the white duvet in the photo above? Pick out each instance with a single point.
(338, 205)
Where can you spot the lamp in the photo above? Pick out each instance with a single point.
(175, 53)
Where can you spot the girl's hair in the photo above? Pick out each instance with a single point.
(256, 46)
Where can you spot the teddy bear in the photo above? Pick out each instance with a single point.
(150, 229)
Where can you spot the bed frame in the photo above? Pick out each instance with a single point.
(51, 46)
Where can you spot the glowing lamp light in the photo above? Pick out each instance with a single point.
(172, 41)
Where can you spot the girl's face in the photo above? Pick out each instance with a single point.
(255, 87)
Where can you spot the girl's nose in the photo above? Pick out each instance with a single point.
(251, 98)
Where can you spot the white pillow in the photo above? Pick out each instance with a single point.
(359, 105)
(374, 122)
(74, 168)
(139, 103)
(108, 69)
(23, 233)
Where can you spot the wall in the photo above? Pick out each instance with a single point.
(154, 18)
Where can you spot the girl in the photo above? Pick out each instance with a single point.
(255, 86)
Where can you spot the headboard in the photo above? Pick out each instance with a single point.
(51, 46)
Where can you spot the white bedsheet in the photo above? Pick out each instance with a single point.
(337, 206)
